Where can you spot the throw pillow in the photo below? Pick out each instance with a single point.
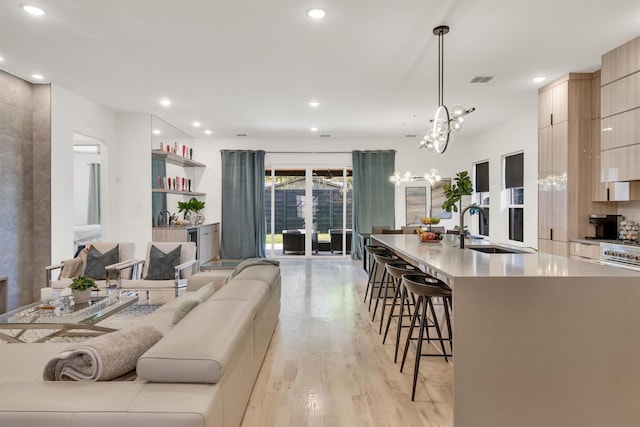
(162, 266)
(205, 292)
(184, 308)
(97, 261)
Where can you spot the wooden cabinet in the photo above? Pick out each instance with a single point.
(208, 242)
(620, 114)
(564, 162)
(584, 251)
(206, 238)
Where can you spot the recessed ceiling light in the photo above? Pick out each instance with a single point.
(1, 59)
(32, 10)
(316, 13)
(165, 102)
(196, 124)
(37, 76)
(207, 132)
(314, 129)
(156, 132)
(313, 104)
(539, 79)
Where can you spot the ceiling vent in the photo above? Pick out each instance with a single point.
(241, 134)
(410, 135)
(325, 136)
(481, 79)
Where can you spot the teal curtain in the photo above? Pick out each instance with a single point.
(373, 194)
(243, 216)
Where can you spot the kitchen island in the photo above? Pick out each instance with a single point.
(539, 340)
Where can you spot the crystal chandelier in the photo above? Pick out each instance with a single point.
(438, 135)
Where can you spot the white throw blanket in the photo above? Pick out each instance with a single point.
(108, 357)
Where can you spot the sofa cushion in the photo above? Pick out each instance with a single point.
(218, 277)
(255, 292)
(162, 266)
(96, 262)
(189, 303)
(267, 273)
(197, 349)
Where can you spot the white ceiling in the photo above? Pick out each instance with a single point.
(251, 66)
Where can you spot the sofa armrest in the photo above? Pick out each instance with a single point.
(135, 264)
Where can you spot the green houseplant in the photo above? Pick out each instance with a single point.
(454, 192)
(81, 287)
(193, 205)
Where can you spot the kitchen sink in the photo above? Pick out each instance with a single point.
(490, 249)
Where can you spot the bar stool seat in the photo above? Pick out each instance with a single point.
(381, 260)
(373, 270)
(425, 288)
(396, 270)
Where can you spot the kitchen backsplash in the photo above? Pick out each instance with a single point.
(630, 210)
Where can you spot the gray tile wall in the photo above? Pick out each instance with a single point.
(25, 196)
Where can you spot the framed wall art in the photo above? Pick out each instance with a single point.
(415, 204)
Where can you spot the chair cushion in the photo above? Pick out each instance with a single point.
(162, 266)
(96, 261)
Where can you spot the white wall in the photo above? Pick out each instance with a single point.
(463, 152)
(71, 114)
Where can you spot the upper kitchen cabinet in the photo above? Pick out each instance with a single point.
(620, 114)
(564, 165)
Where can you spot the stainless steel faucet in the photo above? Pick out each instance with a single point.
(462, 233)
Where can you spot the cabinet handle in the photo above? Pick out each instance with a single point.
(551, 233)
(551, 118)
(608, 199)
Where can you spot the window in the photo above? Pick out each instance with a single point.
(481, 196)
(514, 183)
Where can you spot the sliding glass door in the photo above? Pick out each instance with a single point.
(308, 211)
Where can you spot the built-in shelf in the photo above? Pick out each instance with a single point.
(185, 193)
(177, 160)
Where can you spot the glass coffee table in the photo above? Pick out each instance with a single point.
(63, 318)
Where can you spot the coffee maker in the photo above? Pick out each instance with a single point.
(606, 225)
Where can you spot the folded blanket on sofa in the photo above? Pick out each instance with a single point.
(108, 357)
(251, 262)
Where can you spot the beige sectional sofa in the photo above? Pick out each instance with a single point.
(201, 373)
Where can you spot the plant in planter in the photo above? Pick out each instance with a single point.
(454, 193)
(81, 287)
(193, 205)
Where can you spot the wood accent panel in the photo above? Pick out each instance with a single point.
(621, 130)
(621, 95)
(545, 170)
(169, 234)
(560, 106)
(595, 95)
(560, 168)
(545, 108)
(620, 164)
(621, 61)
(600, 191)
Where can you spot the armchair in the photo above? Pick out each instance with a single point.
(336, 240)
(163, 268)
(78, 266)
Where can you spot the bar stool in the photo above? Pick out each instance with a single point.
(381, 260)
(373, 270)
(396, 271)
(426, 288)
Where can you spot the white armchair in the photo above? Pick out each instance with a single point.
(162, 269)
(86, 260)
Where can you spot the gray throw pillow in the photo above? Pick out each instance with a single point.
(97, 261)
(162, 266)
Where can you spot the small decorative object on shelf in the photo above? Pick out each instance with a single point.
(193, 205)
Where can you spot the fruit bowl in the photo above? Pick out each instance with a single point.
(428, 237)
(430, 220)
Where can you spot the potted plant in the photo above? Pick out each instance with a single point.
(454, 193)
(193, 205)
(81, 287)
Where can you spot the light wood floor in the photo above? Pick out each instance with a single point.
(326, 365)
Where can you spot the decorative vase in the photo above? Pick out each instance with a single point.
(82, 297)
(198, 218)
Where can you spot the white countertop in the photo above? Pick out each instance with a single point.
(449, 260)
